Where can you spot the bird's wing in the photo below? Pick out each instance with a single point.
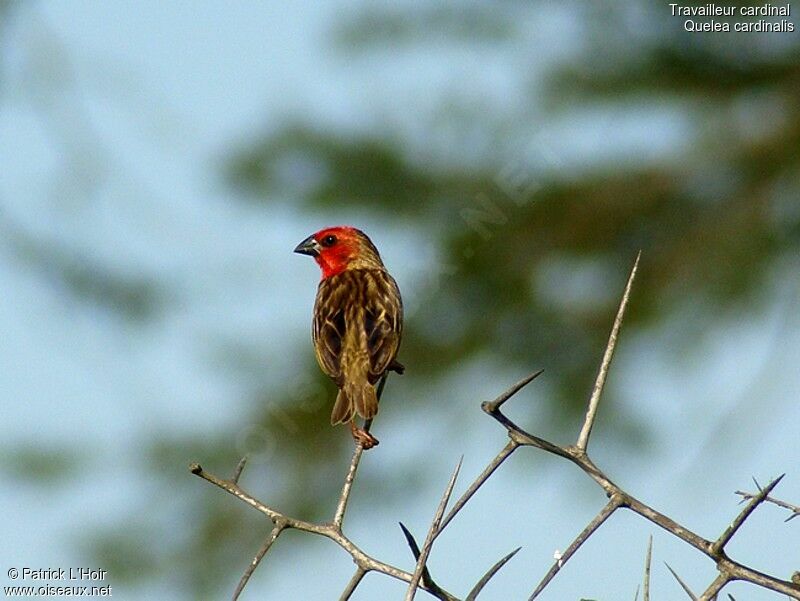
(329, 327)
(383, 321)
(366, 304)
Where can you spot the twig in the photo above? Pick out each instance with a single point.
(328, 531)
(426, 579)
(726, 536)
(473, 594)
(332, 530)
(341, 505)
(795, 509)
(504, 454)
(487, 472)
(512, 390)
(614, 504)
(273, 536)
(715, 587)
(433, 532)
(685, 587)
(353, 584)
(648, 559)
(237, 473)
(600, 382)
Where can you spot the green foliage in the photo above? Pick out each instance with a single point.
(133, 296)
(43, 464)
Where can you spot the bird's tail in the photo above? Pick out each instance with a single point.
(355, 397)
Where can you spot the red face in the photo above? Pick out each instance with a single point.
(332, 248)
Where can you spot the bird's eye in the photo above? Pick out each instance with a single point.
(329, 240)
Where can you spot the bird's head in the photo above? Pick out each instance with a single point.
(337, 249)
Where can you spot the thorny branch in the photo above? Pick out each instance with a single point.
(329, 530)
(433, 532)
(353, 584)
(728, 569)
(647, 565)
(684, 586)
(794, 509)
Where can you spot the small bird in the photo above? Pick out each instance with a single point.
(358, 322)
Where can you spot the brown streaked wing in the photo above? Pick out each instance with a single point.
(383, 321)
(329, 324)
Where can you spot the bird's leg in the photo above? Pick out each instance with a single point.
(362, 437)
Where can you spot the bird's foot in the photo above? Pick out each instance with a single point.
(362, 437)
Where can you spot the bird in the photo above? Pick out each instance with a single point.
(357, 323)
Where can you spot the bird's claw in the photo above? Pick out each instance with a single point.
(363, 438)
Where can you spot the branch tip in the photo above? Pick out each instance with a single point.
(353, 584)
(473, 594)
(195, 468)
(610, 507)
(426, 578)
(793, 509)
(608, 354)
(684, 586)
(412, 542)
(262, 551)
(433, 532)
(755, 501)
(647, 562)
(493, 406)
(715, 587)
(237, 473)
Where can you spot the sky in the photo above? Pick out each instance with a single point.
(150, 96)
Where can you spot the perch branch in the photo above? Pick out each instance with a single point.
(729, 570)
(341, 506)
(347, 488)
(330, 531)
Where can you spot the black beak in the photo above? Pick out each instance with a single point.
(309, 246)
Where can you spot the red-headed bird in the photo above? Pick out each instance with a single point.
(358, 321)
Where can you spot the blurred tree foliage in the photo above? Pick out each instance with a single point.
(532, 246)
(513, 231)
